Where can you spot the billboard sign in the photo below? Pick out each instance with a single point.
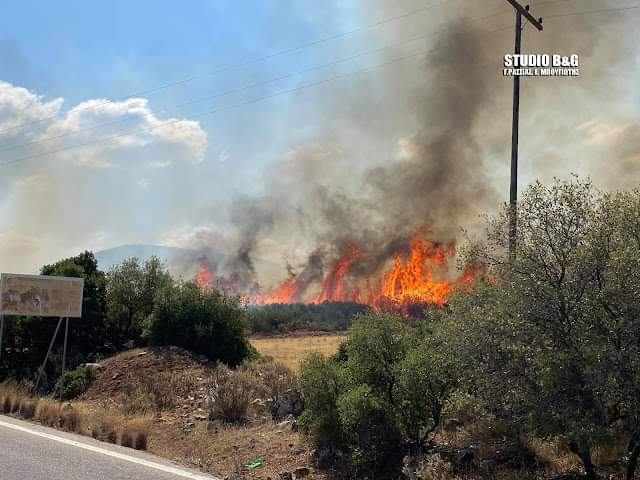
(40, 295)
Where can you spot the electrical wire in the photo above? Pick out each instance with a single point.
(244, 63)
(250, 86)
(292, 90)
(229, 107)
(592, 12)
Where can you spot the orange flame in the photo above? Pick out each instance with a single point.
(418, 280)
(289, 291)
(415, 280)
(333, 284)
(204, 278)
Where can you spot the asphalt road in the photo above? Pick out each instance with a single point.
(33, 452)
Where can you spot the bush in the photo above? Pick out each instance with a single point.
(202, 321)
(229, 394)
(321, 387)
(135, 433)
(105, 427)
(49, 412)
(70, 418)
(74, 383)
(382, 399)
(551, 338)
(275, 379)
(430, 467)
(370, 430)
(9, 397)
(27, 408)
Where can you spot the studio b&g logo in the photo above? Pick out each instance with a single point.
(541, 65)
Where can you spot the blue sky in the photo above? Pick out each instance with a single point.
(77, 49)
(178, 185)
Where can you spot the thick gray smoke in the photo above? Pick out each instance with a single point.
(424, 144)
(436, 179)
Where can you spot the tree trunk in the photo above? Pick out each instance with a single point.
(634, 453)
(585, 455)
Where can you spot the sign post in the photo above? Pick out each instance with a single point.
(46, 357)
(42, 296)
(1, 332)
(64, 349)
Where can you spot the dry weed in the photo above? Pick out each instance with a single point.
(135, 433)
(27, 408)
(229, 394)
(49, 412)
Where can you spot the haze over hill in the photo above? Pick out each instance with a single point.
(182, 262)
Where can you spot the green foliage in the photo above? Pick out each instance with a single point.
(320, 384)
(283, 318)
(26, 339)
(203, 321)
(131, 289)
(370, 430)
(74, 383)
(383, 399)
(552, 338)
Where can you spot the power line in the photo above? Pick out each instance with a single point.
(293, 90)
(230, 107)
(248, 87)
(591, 12)
(245, 63)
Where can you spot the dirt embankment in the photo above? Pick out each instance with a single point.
(181, 430)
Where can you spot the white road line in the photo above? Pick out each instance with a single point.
(110, 453)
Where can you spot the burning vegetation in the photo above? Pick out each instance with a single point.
(411, 279)
(354, 221)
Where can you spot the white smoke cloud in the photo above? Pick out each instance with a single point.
(62, 196)
(19, 106)
(128, 127)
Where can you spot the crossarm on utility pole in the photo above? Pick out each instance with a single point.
(525, 11)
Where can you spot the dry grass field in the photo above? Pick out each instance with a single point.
(291, 350)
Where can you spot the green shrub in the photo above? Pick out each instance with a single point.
(203, 321)
(379, 400)
(370, 429)
(282, 318)
(74, 382)
(320, 385)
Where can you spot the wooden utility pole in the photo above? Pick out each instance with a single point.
(513, 187)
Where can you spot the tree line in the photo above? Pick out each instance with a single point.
(134, 304)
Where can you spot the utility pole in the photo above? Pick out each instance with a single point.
(513, 187)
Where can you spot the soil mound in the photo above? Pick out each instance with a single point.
(123, 373)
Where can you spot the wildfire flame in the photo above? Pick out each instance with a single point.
(415, 279)
(204, 277)
(289, 291)
(333, 285)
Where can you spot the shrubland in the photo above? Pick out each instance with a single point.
(287, 318)
(543, 349)
(531, 371)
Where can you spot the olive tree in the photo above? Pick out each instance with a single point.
(381, 399)
(551, 336)
(131, 289)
